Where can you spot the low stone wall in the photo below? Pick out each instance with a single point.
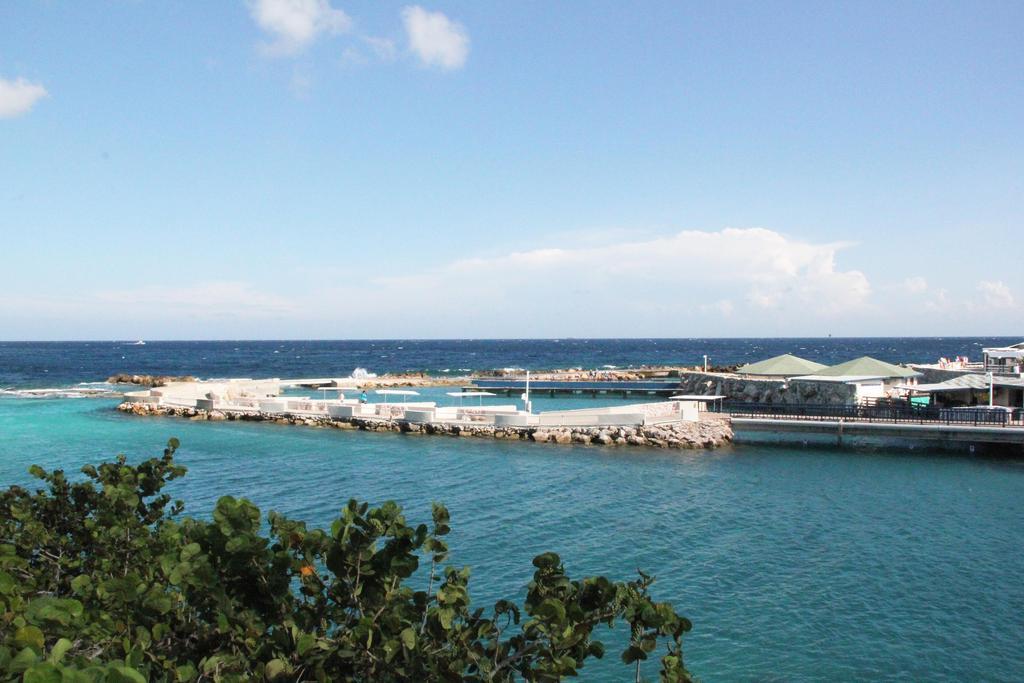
(758, 390)
(712, 431)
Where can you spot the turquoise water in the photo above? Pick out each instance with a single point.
(794, 563)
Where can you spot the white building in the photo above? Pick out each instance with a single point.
(1005, 360)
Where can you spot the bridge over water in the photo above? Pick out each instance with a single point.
(1007, 435)
(652, 387)
(896, 420)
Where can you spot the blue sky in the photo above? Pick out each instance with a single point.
(305, 168)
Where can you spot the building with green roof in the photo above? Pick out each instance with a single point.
(786, 365)
(865, 367)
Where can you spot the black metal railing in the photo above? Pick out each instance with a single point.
(877, 411)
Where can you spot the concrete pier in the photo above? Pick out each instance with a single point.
(666, 424)
(711, 431)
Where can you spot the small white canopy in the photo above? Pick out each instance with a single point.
(396, 392)
(324, 390)
(470, 393)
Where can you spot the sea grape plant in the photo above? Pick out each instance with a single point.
(104, 579)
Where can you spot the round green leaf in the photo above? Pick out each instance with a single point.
(29, 636)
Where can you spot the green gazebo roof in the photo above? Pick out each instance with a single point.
(786, 365)
(866, 366)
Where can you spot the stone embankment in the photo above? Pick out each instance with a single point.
(758, 390)
(711, 431)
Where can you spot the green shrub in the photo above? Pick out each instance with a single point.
(105, 580)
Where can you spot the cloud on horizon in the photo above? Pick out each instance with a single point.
(729, 282)
(17, 97)
(693, 273)
(204, 301)
(995, 294)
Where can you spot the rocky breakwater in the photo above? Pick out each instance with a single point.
(407, 379)
(762, 390)
(711, 431)
(632, 374)
(148, 380)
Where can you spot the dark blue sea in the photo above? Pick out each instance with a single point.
(38, 364)
(795, 562)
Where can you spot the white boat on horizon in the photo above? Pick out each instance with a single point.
(138, 343)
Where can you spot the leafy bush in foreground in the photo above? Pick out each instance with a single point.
(104, 580)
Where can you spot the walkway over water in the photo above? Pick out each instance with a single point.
(970, 426)
(593, 388)
(937, 431)
(880, 410)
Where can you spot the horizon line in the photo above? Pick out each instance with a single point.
(484, 339)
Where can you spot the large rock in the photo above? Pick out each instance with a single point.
(148, 380)
(766, 390)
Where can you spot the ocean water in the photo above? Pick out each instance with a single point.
(46, 364)
(795, 563)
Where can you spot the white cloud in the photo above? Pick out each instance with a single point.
(295, 24)
(435, 39)
(658, 283)
(353, 57)
(735, 281)
(205, 300)
(989, 297)
(940, 302)
(724, 307)
(18, 97)
(995, 294)
(915, 285)
(383, 48)
(373, 49)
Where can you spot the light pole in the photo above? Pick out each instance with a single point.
(526, 394)
(991, 389)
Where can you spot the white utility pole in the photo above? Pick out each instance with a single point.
(526, 394)
(991, 389)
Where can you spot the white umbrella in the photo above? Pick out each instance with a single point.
(396, 392)
(324, 390)
(462, 394)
